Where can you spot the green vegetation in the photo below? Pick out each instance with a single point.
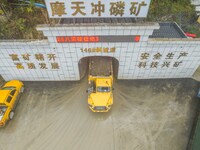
(180, 11)
(18, 20)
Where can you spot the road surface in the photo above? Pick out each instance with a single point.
(146, 115)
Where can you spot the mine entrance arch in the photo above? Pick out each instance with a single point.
(83, 65)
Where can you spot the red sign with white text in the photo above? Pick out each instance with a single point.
(77, 39)
(98, 39)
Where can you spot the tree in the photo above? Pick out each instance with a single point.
(19, 19)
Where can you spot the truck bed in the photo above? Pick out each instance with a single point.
(100, 66)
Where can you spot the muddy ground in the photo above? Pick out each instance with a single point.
(146, 115)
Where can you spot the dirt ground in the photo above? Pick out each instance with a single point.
(146, 115)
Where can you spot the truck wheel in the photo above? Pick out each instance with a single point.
(11, 115)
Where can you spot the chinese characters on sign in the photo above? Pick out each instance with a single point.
(164, 64)
(38, 57)
(97, 8)
(58, 8)
(98, 39)
(77, 39)
(99, 50)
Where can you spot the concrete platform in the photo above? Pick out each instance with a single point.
(146, 115)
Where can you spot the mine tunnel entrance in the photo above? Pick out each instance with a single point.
(83, 65)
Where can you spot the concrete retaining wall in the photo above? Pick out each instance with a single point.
(49, 60)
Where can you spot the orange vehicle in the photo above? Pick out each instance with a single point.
(9, 96)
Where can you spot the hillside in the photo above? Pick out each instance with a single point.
(18, 20)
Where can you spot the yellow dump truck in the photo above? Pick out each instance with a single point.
(100, 96)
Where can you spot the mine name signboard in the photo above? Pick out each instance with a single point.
(97, 8)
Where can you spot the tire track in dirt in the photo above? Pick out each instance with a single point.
(142, 118)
